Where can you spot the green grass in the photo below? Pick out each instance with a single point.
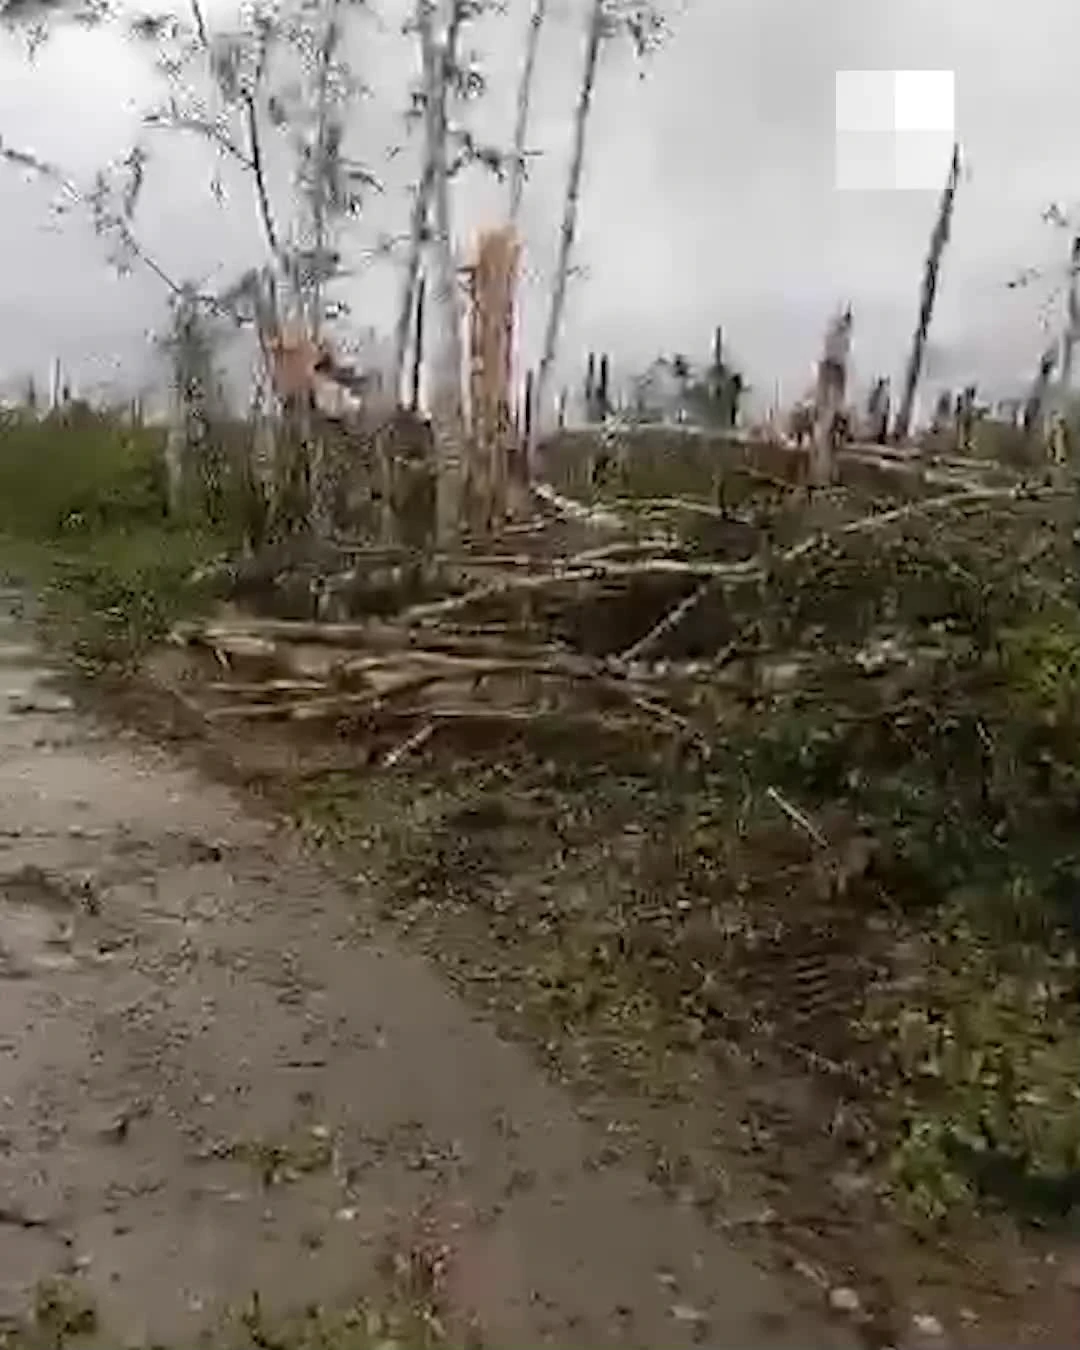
(84, 523)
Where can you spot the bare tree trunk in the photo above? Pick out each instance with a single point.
(447, 413)
(320, 476)
(528, 403)
(174, 459)
(594, 39)
(1064, 430)
(418, 347)
(829, 398)
(1072, 317)
(524, 100)
(417, 227)
(1035, 404)
(327, 47)
(419, 218)
(938, 239)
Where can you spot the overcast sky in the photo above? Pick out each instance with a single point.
(709, 199)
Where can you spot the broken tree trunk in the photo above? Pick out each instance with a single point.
(1062, 429)
(418, 219)
(1072, 320)
(420, 215)
(1035, 404)
(491, 327)
(447, 420)
(938, 240)
(527, 404)
(603, 388)
(593, 40)
(829, 398)
(524, 99)
(418, 348)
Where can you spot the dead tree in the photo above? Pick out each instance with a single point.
(447, 412)
(524, 100)
(1061, 432)
(965, 420)
(603, 388)
(939, 238)
(195, 475)
(418, 349)
(829, 397)
(492, 281)
(465, 83)
(1072, 319)
(877, 411)
(606, 17)
(568, 230)
(526, 408)
(943, 412)
(1035, 404)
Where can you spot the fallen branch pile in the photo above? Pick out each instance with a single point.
(401, 679)
(375, 676)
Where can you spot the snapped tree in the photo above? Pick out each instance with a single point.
(607, 19)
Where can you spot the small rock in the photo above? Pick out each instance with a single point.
(683, 1312)
(926, 1324)
(843, 1299)
(115, 1131)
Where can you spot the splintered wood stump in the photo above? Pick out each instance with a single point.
(493, 279)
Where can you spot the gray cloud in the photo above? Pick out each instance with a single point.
(710, 192)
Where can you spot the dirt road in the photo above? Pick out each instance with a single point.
(214, 1080)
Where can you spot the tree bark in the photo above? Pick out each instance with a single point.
(524, 101)
(1072, 322)
(447, 421)
(320, 233)
(568, 231)
(418, 348)
(938, 240)
(419, 218)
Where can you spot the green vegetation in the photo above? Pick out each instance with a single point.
(83, 518)
(925, 956)
(870, 884)
(64, 1316)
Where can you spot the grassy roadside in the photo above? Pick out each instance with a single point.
(962, 769)
(639, 925)
(84, 530)
(64, 1316)
(83, 525)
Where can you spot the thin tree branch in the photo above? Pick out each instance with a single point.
(199, 21)
(262, 195)
(105, 221)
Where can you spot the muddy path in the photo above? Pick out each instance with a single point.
(217, 1078)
